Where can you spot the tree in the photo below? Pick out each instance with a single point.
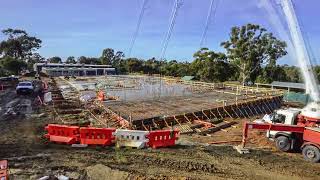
(71, 60)
(151, 66)
(19, 44)
(117, 58)
(34, 58)
(293, 74)
(55, 59)
(82, 60)
(88, 60)
(272, 73)
(211, 66)
(93, 60)
(14, 66)
(134, 65)
(107, 56)
(250, 47)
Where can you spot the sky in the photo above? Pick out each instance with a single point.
(82, 27)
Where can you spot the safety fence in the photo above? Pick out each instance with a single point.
(4, 175)
(110, 136)
(97, 136)
(162, 138)
(63, 134)
(131, 138)
(297, 98)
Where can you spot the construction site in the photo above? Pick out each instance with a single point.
(208, 116)
(88, 120)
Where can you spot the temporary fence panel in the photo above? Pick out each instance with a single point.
(296, 97)
(63, 134)
(131, 138)
(162, 138)
(3, 170)
(97, 136)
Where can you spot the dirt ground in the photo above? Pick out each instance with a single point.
(31, 157)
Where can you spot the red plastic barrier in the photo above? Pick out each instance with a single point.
(162, 138)
(45, 86)
(3, 170)
(97, 136)
(62, 133)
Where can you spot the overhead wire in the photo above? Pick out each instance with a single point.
(136, 32)
(172, 22)
(211, 13)
(173, 17)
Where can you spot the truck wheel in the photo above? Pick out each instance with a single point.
(283, 143)
(311, 153)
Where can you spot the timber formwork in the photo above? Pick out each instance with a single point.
(246, 109)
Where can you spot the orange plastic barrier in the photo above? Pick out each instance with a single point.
(162, 138)
(97, 136)
(62, 133)
(4, 170)
(101, 96)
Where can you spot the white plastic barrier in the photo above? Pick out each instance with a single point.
(47, 97)
(131, 138)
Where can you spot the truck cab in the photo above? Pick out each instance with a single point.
(284, 140)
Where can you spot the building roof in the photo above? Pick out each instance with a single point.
(76, 69)
(288, 85)
(70, 65)
(187, 78)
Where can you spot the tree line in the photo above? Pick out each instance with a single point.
(251, 55)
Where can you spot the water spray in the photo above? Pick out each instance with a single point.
(296, 44)
(301, 50)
